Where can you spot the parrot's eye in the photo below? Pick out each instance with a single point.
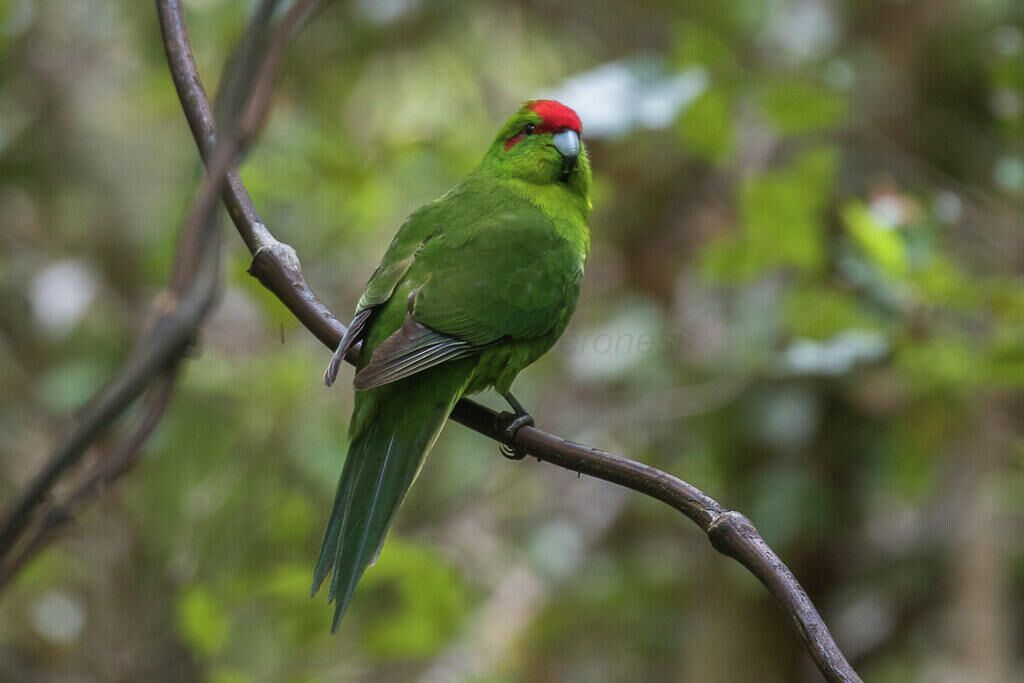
(529, 128)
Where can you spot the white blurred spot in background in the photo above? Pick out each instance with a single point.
(557, 548)
(58, 617)
(888, 209)
(618, 97)
(840, 74)
(1009, 173)
(865, 624)
(384, 12)
(60, 295)
(619, 346)
(947, 207)
(838, 355)
(802, 30)
(1007, 40)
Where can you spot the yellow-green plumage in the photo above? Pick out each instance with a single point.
(474, 287)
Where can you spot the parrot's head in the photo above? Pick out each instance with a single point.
(541, 144)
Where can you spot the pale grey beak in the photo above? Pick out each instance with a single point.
(567, 142)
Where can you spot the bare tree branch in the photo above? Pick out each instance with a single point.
(168, 338)
(180, 311)
(277, 267)
(113, 465)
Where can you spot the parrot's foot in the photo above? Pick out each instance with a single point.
(510, 423)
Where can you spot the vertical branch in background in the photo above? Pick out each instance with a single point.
(154, 361)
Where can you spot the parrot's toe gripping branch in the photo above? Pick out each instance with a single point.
(510, 423)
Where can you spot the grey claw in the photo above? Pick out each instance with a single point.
(510, 423)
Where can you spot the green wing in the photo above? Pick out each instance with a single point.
(513, 277)
(506, 277)
(412, 349)
(401, 253)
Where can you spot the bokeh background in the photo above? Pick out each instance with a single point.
(804, 297)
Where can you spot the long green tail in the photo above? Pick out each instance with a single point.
(393, 428)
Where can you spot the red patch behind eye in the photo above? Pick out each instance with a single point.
(555, 116)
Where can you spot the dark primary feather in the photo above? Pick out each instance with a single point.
(411, 349)
(352, 335)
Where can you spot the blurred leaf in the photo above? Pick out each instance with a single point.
(815, 312)
(782, 219)
(944, 363)
(944, 284)
(202, 621)
(697, 45)
(1007, 360)
(705, 127)
(293, 520)
(420, 602)
(883, 245)
(287, 581)
(797, 107)
(915, 446)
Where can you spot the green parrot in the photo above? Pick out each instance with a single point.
(475, 286)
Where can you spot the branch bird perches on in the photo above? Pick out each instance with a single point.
(276, 265)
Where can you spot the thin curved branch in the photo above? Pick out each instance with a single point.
(180, 312)
(114, 464)
(168, 339)
(277, 267)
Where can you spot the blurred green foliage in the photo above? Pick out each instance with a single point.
(804, 296)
